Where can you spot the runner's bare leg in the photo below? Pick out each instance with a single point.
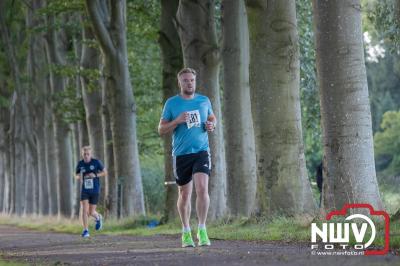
(183, 204)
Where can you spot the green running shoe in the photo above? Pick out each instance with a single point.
(187, 240)
(203, 237)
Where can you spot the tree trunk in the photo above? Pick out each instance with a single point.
(56, 51)
(91, 92)
(111, 180)
(238, 123)
(39, 132)
(19, 118)
(83, 140)
(196, 28)
(30, 186)
(172, 62)
(2, 175)
(112, 38)
(77, 156)
(3, 160)
(5, 144)
(397, 12)
(92, 99)
(42, 173)
(50, 155)
(283, 186)
(5, 155)
(36, 60)
(17, 158)
(349, 169)
(2, 166)
(40, 124)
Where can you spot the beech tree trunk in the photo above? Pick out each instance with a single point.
(196, 28)
(172, 62)
(238, 123)
(349, 168)
(56, 49)
(109, 27)
(282, 182)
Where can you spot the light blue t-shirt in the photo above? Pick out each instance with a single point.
(189, 137)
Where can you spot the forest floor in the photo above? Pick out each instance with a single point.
(27, 246)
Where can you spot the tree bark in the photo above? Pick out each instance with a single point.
(112, 38)
(36, 60)
(17, 158)
(111, 180)
(92, 99)
(349, 169)
(51, 155)
(172, 62)
(7, 162)
(238, 123)
(77, 156)
(397, 12)
(2, 164)
(2, 176)
(20, 120)
(30, 186)
(196, 28)
(4, 184)
(283, 186)
(41, 155)
(91, 92)
(83, 138)
(5, 144)
(56, 51)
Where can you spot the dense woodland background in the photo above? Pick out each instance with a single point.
(292, 83)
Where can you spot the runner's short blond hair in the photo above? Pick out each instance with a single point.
(86, 148)
(186, 70)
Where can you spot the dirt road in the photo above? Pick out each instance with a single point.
(48, 248)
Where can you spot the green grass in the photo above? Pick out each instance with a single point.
(390, 197)
(4, 262)
(279, 229)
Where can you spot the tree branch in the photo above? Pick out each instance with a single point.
(117, 19)
(99, 27)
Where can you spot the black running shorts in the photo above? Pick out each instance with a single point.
(93, 198)
(185, 166)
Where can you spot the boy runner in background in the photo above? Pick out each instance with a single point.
(88, 171)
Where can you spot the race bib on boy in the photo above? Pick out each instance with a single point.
(88, 183)
(193, 119)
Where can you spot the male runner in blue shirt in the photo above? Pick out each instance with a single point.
(190, 116)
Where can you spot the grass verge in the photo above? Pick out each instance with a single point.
(280, 229)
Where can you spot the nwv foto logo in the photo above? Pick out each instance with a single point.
(336, 233)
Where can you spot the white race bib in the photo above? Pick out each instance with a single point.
(88, 183)
(193, 119)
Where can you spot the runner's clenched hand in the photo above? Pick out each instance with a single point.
(210, 126)
(182, 118)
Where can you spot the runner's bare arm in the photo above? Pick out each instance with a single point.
(102, 173)
(166, 127)
(99, 174)
(212, 118)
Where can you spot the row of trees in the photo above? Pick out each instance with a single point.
(39, 143)
(258, 151)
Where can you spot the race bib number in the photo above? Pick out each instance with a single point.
(88, 183)
(193, 119)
